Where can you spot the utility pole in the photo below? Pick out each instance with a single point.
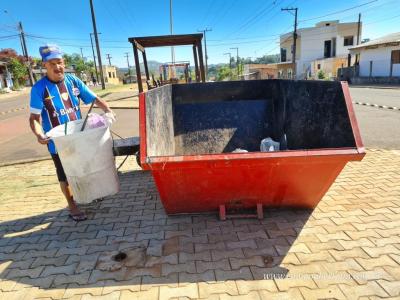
(109, 59)
(237, 59)
(25, 50)
(205, 47)
(358, 34)
(358, 29)
(230, 59)
(294, 38)
(171, 29)
(103, 86)
(127, 60)
(81, 53)
(94, 58)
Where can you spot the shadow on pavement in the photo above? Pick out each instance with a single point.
(51, 251)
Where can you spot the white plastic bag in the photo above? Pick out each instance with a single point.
(268, 145)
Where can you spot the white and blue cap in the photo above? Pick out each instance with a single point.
(48, 52)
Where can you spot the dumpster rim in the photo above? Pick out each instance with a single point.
(355, 154)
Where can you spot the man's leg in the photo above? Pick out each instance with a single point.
(65, 187)
(68, 195)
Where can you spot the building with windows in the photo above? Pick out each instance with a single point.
(379, 57)
(110, 75)
(328, 42)
(259, 71)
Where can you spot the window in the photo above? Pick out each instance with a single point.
(283, 54)
(113, 74)
(319, 67)
(109, 74)
(348, 41)
(396, 57)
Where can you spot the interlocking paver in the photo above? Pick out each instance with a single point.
(372, 288)
(152, 293)
(242, 273)
(189, 290)
(378, 251)
(381, 261)
(207, 289)
(332, 292)
(352, 236)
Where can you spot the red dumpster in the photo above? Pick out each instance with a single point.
(188, 133)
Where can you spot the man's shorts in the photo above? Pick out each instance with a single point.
(59, 168)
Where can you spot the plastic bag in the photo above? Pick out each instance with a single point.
(268, 145)
(95, 120)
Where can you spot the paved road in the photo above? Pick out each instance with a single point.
(388, 97)
(380, 128)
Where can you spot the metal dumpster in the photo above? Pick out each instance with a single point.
(188, 133)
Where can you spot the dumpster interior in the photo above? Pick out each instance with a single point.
(211, 118)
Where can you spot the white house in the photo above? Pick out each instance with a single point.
(327, 39)
(379, 57)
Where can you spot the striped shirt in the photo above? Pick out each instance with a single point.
(58, 103)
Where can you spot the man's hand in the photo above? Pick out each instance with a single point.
(111, 115)
(42, 139)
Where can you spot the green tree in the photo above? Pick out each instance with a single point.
(321, 74)
(19, 72)
(76, 62)
(224, 72)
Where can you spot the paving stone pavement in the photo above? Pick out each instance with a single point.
(347, 248)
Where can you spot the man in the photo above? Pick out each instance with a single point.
(54, 101)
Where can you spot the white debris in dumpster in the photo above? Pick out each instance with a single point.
(239, 150)
(269, 145)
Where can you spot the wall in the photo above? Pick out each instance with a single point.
(381, 61)
(328, 65)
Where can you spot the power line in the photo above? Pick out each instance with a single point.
(337, 12)
(250, 18)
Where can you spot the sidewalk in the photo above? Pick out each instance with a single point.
(25, 91)
(348, 247)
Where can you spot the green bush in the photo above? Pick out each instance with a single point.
(321, 74)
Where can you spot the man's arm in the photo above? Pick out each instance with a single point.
(102, 105)
(34, 122)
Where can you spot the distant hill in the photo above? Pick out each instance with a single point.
(152, 64)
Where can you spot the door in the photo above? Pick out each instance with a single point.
(327, 49)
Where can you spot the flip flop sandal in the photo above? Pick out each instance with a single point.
(78, 217)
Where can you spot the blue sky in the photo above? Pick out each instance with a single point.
(252, 25)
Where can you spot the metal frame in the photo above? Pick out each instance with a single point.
(140, 43)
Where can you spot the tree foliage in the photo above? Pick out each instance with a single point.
(19, 72)
(76, 62)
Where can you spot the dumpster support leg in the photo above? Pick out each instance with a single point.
(260, 211)
(222, 213)
(223, 216)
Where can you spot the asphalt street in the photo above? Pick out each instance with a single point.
(380, 128)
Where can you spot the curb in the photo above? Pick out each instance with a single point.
(2, 113)
(377, 105)
(123, 98)
(123, 107)
(24, 161)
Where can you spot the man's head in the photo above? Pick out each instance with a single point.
(53, 62)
